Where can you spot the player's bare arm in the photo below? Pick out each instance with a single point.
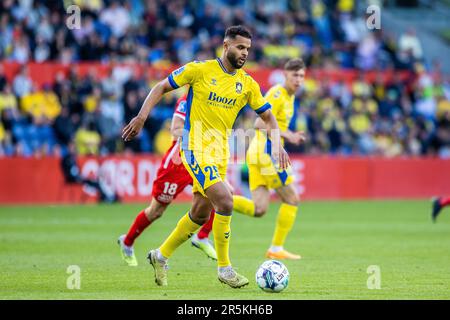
(294, 137)
(274, 132)
(176, 127)
(132, 129)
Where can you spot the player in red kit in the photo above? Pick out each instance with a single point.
(438, 204)
(172, 178)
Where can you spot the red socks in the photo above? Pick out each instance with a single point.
(445, 202)
(140, 223)
(207, 227)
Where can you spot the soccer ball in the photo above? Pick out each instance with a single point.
(272, 276)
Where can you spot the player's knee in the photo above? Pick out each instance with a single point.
(153, 214)
(260, 210)
(198, 215)
(157, 214)
(225, 204)
(292, 200)
(201, 220)
(148, 211)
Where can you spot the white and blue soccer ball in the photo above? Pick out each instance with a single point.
(272, 276)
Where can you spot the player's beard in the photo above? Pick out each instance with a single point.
(234, 61)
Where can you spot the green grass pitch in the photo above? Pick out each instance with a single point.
(337, 240)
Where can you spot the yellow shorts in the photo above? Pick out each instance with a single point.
(261, 168)
(204, 170)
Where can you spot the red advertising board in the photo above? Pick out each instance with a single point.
(28, 181)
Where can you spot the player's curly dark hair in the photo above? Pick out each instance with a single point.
(234, 31)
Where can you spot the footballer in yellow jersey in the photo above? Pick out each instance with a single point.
(218, 90)
(264, 173)
(214, 100)
(262, 170)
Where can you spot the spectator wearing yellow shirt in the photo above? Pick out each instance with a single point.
(92, 101)
(366, 105)
(360, 123)
(163, 139)
(360, 87)
(9, 112)
(41, 104)
(379, 88)
(276, 53)
(443, 106)
(324, 106)
(2, 133)
(388, 145)
(87, 139)
(6, 144)
(345, 6)
(51, 104)
(8, 100)
(311, 85)
(361, 127)
(94, 5)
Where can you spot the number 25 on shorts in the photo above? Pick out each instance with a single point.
(213, 172)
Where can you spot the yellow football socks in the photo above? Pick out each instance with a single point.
(222, 234)
(244, 205)
(285, 221)
(183, 231)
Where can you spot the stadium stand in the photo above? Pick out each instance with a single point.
(406, 115)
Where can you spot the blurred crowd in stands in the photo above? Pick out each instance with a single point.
(324, 32)
(408, 116)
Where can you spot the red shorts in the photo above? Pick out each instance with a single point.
(172, 177)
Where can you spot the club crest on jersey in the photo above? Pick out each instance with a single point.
(238, 87)
(213, 82)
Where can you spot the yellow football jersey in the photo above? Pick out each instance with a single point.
(282, 108)
(214, 100)
(262, 170)
(282, 105)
